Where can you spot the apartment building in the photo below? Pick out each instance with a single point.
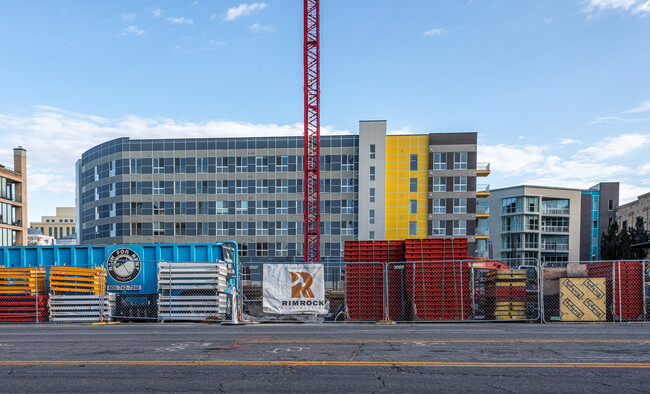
(13, 201)
(58, 226)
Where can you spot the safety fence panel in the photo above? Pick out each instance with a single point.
(506, 294)
(77, 294)
(612, 291)
(252, 282)
(23, 295)
(132, 287)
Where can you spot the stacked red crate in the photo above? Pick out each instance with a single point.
(365, 278)
(624, 283)
(24, 308)
(437, 279)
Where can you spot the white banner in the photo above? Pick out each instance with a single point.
(294, 289)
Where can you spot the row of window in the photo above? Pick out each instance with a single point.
(531, 223)
(216, 165)
(8, 189)
(439, 205)
(8, 214)
(257, 228)
(246, 207)
(531, 204)
(440, 184)
(440, 161)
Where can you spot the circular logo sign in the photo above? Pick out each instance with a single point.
(123, 265)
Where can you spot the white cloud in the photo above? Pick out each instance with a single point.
(567, 141)
(614, 147)
(257, 28)
(242, 10)
(642, 107)
(128, 17)
(435, 32)
(633, 6)
(155, 12)
(629, 192)
(132, 30)
(643, 169)
(180, 21)
(512, 160)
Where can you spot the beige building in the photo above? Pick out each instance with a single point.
(13, 201)
(58, 226)
(626, 214)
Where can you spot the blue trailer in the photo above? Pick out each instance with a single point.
(132, 270)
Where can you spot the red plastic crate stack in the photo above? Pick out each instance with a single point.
(365, 282)
(24, 308)
(624, 292)
(439, 283)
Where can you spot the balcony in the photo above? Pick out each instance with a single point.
(555, 229)
(482, 169)
(482, 232)
(555, 211)
(552, 247)
(482, 211)
(482, 191)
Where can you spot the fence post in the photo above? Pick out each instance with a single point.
(36, 291)
(472, 291)
(644, 295)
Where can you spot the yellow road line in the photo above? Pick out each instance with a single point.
(445, 341)
(325, 363)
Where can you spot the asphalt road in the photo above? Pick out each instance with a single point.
(326, 358)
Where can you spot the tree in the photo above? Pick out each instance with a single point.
(615, 244)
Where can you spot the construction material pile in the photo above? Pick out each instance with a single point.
(192, 291)
(505, 294)
(77, 294)
(22, 295)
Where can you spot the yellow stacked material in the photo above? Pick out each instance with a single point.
(28, 280)
(74, 280)
(505, 292)
(583, 299)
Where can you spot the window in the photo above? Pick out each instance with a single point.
(347, 227)
(439, 184)
(222, 207)
(282, 186)
(460, 183)
(460, 205)
(610, 205)
(136, 208)
(111, 190)
(262, 186)
(158, 187)
(136, 166)
(222, 186)
(180, 208)
(532, 204)
(281, 228)
(282, 249)
(347, 206)
(180, 228)
(532, 222)
(414, 163)
(136, 228)
(159, 208)
(158, 166)
(460, 161)
(222, 228)
(413, 228)
(97, 191)
(371, 235)
(158, 228)
(111, 168)
(371, 219)
(282, 207)
(531, 241)
(261, 164)
(262, 228)
(511, 205)
(96, 174)
(372, 194)
(460, 227)
(372, 173)
(241, 208)
(347, 185)
(439, 161)
(241, 228)
(413, 206)
(262, 249)
(439, 205)
(202, 165)
(413, 185)
(241, 164)
(347, 163)
(262, 208)
(180, 187)
(222, 165)
(180, 165)
(372, 151)
(282, 164)
(111, 211)
(242, 249)
(438, 227)
(202, 228)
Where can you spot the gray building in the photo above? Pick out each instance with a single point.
(550, 223)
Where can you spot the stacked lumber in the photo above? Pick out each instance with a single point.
(505, 294)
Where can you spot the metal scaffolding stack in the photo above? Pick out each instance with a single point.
(22, 295)
(192, 291)
(78, 295)
(505, 292)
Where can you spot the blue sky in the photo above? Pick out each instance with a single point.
(558, 90)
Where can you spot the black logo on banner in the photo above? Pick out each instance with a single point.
(594, 289)
(123, 265)
(573, 289)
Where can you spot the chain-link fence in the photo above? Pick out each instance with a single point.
(23, 295)
(613, 291)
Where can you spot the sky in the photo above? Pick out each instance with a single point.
(558, 90)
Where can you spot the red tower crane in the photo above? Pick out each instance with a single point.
(312, 131)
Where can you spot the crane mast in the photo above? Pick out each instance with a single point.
(312, 131)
